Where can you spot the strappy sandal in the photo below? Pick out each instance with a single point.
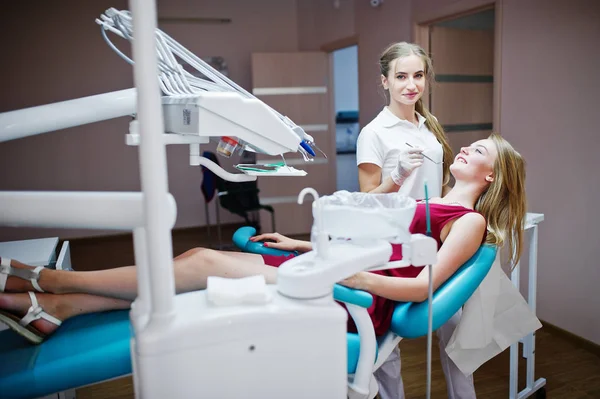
(26, 274)
(23, 326)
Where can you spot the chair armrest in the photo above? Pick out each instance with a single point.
(352, 296)
(241, 239)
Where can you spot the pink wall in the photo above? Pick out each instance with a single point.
(549, 112)
(376, 29)
(56, 53)
(321, 22)
(428, 10)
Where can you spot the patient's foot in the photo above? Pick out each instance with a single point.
(17, 284)
(54, 305)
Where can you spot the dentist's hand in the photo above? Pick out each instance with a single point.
(408, 160)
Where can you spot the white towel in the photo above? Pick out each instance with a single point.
(495, 317)
(228, 291)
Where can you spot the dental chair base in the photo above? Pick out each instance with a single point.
(273, 341)
(285, 348)
(281, 349)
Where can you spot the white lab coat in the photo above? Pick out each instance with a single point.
(381, 140)
(495, 317)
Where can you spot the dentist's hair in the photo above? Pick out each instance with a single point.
(404, 49)
(504, 203)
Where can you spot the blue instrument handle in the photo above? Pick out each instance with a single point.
(307, 147)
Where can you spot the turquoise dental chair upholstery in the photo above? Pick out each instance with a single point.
(85, 350)
(95, 347)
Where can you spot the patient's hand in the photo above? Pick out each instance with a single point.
(359, 281)
(282, 242)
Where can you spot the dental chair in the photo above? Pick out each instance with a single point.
(93, 348)
(409, 319)
(96, 347)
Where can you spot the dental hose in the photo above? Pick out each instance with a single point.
(429, 299)
(176, 81)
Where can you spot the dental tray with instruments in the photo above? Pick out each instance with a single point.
(270, 169)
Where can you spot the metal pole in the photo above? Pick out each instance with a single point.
(514, 348)
(532, 293)
(153, 164)
(429, 328)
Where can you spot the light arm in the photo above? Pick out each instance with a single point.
(71, 209)
(65, 114)
(215, 107)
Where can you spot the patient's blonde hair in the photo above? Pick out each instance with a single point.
(404, 49)
(504, 202)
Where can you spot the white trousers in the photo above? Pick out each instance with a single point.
(459, 386)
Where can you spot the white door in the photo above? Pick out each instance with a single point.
(462, 98)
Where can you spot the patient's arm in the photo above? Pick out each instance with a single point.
(279, 241)
(462, 242)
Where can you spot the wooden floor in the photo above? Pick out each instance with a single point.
(571, 370)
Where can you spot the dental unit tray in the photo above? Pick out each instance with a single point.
(271, 169)
(217, 114)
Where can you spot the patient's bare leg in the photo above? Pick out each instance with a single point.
(191, 270)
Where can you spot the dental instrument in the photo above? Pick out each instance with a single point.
(435, 162)
(270, 169)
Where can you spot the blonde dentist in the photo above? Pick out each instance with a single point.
(399, 150)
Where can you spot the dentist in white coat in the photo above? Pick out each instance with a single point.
(398, 151)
